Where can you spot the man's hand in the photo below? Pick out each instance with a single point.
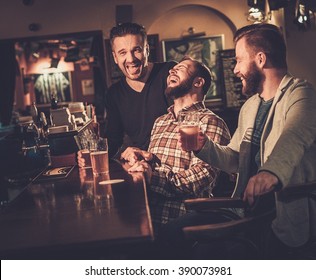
(258, 184)
(142, 166)
(81, 160)
(132, 155)
(201, 139)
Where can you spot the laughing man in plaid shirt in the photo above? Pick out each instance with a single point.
(176, 175)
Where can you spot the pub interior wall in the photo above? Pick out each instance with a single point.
(162, 17)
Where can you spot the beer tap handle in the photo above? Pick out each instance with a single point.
(44, 121)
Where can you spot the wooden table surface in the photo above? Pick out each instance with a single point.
(78, 214)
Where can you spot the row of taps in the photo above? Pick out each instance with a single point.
(39, 135)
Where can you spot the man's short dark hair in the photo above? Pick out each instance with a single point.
(123, 29)
(267, 38)
(201, 70)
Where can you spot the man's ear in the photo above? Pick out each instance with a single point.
(261, 59)
(198, 82)
(114, 57)
(147, 49)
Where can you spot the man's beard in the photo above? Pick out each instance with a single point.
(253, 80)
(181, 90)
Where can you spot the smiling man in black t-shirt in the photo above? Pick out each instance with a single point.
(137, 99)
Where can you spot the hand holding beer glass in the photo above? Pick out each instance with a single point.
(85, 144)
(189, 129)
(100, 157)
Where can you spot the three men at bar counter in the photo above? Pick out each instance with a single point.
(273, 146)
(173, 174)
(278, 122)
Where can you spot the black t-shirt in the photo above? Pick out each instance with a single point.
(131, 113)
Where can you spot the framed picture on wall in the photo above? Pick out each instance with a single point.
(231, 84)
(154, 49)
(87, 86)
(114, 71)
(58, 84)
(204, 49)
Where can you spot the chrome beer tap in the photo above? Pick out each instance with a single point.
(36, 132)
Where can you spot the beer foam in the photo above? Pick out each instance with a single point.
(189, 129)
(98, 152)
(114, 181)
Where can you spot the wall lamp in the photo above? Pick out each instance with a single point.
(304, 13)
(256, 12)
(258, 9)
(190, 33)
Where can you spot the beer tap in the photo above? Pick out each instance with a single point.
(33, 129)
(36, 132)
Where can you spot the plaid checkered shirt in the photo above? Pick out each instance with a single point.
(177, 174)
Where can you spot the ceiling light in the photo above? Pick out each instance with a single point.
(190, 33)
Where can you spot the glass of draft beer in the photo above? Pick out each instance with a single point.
(100, 157)
(189, 127)
(85, 153)
(86, 144)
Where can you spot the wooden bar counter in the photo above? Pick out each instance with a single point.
(77, 217)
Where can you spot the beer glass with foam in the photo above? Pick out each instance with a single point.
(100, 157)
(189, 127)
(88, 143)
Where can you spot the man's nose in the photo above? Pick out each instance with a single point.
(172, 71)
(130, 56)
(236, 71)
